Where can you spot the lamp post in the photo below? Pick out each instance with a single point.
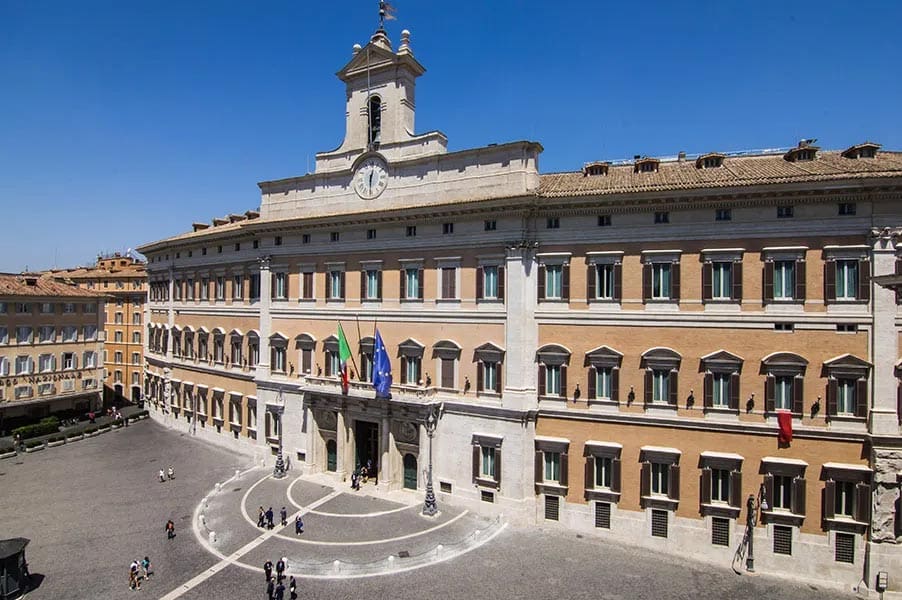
(751, 520)
(279, 471)
(430, 508)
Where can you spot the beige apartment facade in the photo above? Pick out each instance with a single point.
(618, 341)
(51, 345)
(123, 279)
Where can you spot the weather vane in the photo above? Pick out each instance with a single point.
(386, 12)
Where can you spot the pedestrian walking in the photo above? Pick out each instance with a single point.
(270, 588)
(135, 580)
(170, 529)
(298, 525)
(261, 517)
(162, 476)
(146, 567)
(280, 592)
(267, 569)
(284, 514)
(269, 518)
(280, 570)
(292, 588)
(171, 473)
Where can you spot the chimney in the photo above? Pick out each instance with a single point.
(681, 156)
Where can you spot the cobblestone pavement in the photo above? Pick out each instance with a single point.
(91, 507)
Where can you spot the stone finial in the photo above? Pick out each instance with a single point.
(356, 48)
(405, 41)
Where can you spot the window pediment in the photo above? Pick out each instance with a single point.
(330, 344)
(660, 358)
(553, 355)
(489, 353)
(366, 345)
(846, 364)
(305, 341)
(446, 349)
(721, 361)
(278, 338)
(411, 348)
(783, 362)
(603, 356)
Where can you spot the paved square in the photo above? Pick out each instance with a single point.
(93, 506)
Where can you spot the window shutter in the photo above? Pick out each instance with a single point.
(864, 280)
(565, 282)
(828, 506)
(646, 282)
(800, 281)
(675, 281)
(589, 481)
(615, 384)
(737, 281)
(591, 272)
(704, 492)
(564, 381)
(734, 391)
(898, 289)
(591, 384)
(541, 282)
(480, 275)
(419, 374)
(863, 503)
(539, 471)
(798, 400)
(498, 467)
(768, 281)
(645, 480)
(829, 281)
(618, 282)
(501, 283)
(831, 397)
(615, 474)
(379, 284)
(736, 489)
(420, 285)
(769, 393)
(769, 490)
(477, 450)
(707, 276)
(565, 468)
(861, 398)
(479, 384)
(328, 285)
(709, 390)
(541, 379)
(447, 373)
(798, 496)
(648, 385)
(404, 370)
(674, 388)
(497, 378)
(674, 487)
(362, 283)
(308, 285)
(403, 284)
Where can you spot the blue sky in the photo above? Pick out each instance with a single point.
(123, 122)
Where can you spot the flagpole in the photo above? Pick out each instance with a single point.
(353, 362)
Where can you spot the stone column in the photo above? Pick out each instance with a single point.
(170, 315)
(521, 334)
(386, 472)
(313, 441)
(265, 327)
(884, 419)
(341, 443)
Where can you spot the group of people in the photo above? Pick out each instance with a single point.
(266, 518)
(362, 473)
(275, 589)
(138, 572)
(169, 474)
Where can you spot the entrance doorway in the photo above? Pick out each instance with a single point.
(366, 435)
(410, 471)
(331, 456)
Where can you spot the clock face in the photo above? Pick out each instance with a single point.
(371, 178)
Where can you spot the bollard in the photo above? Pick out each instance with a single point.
(476, 534)
(218, 486)
(212, 537)
(203, 519)
(237, 473)
(438, 551)
(336, 566)
(391, 562)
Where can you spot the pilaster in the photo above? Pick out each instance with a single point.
(521, 335)
(884, 419)
(265, 327)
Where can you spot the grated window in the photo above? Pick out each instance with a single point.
(444, 487)
(603, 515)
(720, 531)
(845, 548)
(552, 508)
(487, 496)
(659, 523)
(782, 539)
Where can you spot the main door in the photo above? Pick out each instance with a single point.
(410, 471)
(331, 456)
(366, 435)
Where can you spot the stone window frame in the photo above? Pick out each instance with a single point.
(242, 359)
(859, 475)
(661, 358)
(278, 341)
(328, 269)
(721, 362)
(330, 349)
(593, 450)
(488, 353)
(784, 364)
(252, 335)
(365, 350)
(545, 260)
(662, 456)
(444, 350)
(607, 358)
(545, 444)
(490, 261)
(860, 253)
(653, 257)
(486, 440)
(593, 260)
(554, 355)
(786, 467)
(726, 461)
(769, 256)
(305, 344)
(411, 348)
(708, 257)
(235, 408)
(365, 267)
(304, 270)
(847, 366)
(409, 264)
(448, 262)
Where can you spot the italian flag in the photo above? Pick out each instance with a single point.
(344, 353)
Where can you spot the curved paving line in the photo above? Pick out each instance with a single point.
(288, 493)
(365, 515)
(244, 498)
(371, 542)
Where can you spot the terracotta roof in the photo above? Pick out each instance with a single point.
(133, 271)
(737, 171)
(41, 285)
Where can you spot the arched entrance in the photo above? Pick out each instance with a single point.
(136, 394)
(331, 456)
(410, 471)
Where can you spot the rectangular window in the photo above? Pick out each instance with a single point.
(662, 217)
(782, 540)
(45, 363)
(490, 225)
(136, 359)
(370, 234)
(487, 466)
(783, 392)
(660, 479)
(280, 286)
(603, 472)
(253, 353)
(69, 360)
(660, 385)
(720, 531)
(411, 231)
(784, 279)
(845, 397)
(847, 209)
(722, 280)
(603, 382)
(46, 308)
(660, 281)
(846, 279)
(659, 520)
(604, 282)
(554, 282)
(24, 335)
(553, 223)
(782, 493)
(490, 282)
(69, 308)
(23, 307)
(604, 220)
(136, 318)
(785, 212)
(238, 287)
(334, 236)
(305, 238)
(720, 390)
(552, 466)
(220, 287)
(255, 286)
(278, 240)
(136, 337)
(45, 389)
(335, 291)
(412, 370)
(4, 335)
(89, 360)
(720, 486)
(278, 359)
(23, 365)
(91, 308)
(205, 288)
(447, 228)
(333, 364)
(449, 283)
(372, 285)
(552, 508)
(117, 357)
(603, 515)
(723, 214)
(118, 319)
(489, 376)
(117, 337)
(412, 283)
(552, 380)
(3, 309)
(307, 285)
(844, 499)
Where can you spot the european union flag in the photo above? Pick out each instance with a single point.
(381, 369)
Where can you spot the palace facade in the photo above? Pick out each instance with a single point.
(617, 350)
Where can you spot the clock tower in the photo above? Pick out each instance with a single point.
(380, 105)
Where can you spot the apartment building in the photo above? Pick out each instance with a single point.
(647, 349)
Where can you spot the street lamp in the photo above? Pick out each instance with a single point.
(430, 508)
(279, 471)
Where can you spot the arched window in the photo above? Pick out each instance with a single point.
(662, 366)
(553, 361)
(784, 383)
(374, 110)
